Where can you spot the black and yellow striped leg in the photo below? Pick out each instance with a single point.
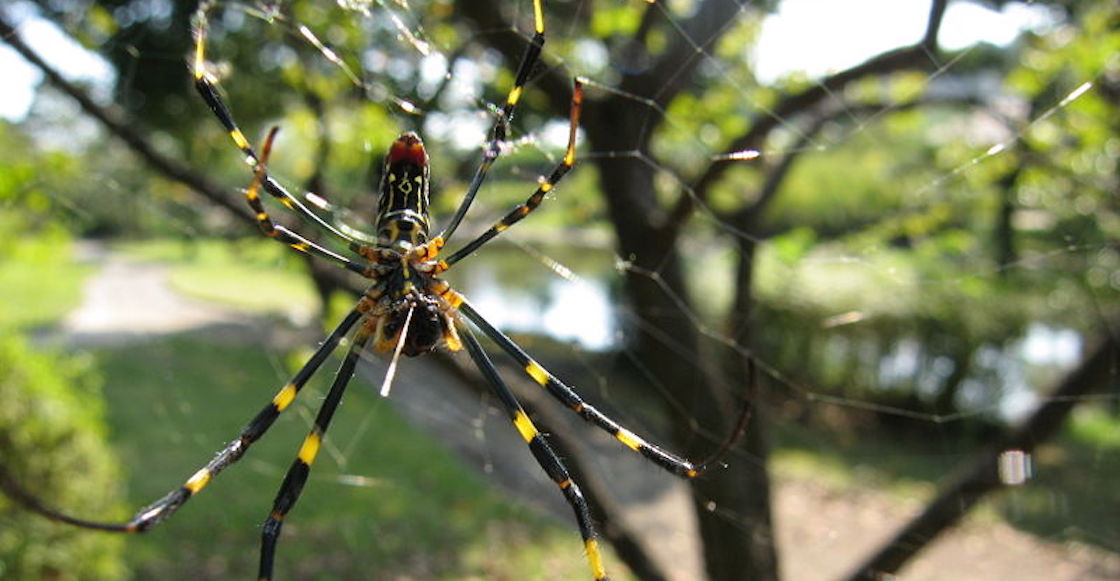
(163, 508)
(567, 396)
(341, 218)
(210, 95)
(501, 125)
(284, 235)
(542, 452)
(296, 477)
(545, 186)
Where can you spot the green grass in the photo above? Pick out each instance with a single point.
(862, 460)
(400, 507)
(417, 513)
(1072, 495)
(41, 281)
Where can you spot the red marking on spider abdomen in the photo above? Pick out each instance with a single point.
(408, 148)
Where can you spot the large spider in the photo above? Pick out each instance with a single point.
(406, 309)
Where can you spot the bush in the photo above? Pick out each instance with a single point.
(53, 440)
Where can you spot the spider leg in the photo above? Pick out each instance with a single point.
(160, 510)
(501, 125)
(542, 452)
(340, 218)
(286, 236)
(296, 477)
(209, 92)
(545, 186)
(568, 396)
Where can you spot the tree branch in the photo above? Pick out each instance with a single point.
(111, 120)
(745, 219)
(170, 168)
(676, 66)
(980, 476)
(915, 56)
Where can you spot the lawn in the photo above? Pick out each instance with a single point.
(396, 505)
(27, 263)
(390, 504)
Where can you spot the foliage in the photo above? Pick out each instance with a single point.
(52, 424)
(53, 439)
(28, 261)
(1067, 190)
(37, 241)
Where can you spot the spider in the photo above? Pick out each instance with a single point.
(406, 309)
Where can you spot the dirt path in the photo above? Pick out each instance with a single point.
(128, 300)
(821, 532)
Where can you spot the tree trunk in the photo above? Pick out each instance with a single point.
(737, 540)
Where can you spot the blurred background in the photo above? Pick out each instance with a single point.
(891, 227)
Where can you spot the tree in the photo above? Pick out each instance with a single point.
(667, 67)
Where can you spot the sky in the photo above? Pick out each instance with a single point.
(842, 33)
(21, 78)
(846, 33)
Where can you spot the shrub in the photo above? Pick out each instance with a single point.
(53, 440)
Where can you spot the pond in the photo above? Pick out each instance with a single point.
(571, 294)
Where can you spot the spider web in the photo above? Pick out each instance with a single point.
(884, 285)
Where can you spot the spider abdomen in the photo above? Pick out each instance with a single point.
(402, 208)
